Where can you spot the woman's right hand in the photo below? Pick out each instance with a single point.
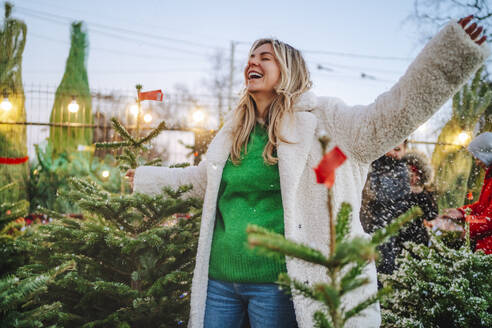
(130, 174)
(451, 213)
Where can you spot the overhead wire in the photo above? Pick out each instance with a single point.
(121, 37)
(124, 30)
(120, 19)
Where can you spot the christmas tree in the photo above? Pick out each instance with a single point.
(346, 259)
(13, 149)
(73, 99)
(438, 286)
(452, 164)
(50, 176)
(129, 261)
(11, 224)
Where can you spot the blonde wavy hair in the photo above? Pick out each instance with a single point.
(294, 81)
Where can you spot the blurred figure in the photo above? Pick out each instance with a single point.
(384, 198)
(479, 214)
(422, 195)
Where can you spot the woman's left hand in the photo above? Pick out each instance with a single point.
(473, 30)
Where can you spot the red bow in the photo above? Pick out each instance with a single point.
(325, 171)
(13, 161)
(151, 95)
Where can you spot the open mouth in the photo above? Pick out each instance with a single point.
(254, 75)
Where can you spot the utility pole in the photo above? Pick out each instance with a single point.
(231, 77)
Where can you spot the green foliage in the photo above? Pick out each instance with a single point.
(134, 148)
(74, 86)
(453, 164)
(50, 177)
(344, 266)
(13, 137)
(17, 296)
(133, 259)
(438, 286)
(10, 228)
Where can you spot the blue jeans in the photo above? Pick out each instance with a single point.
(229, 304)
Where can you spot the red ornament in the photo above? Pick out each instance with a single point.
(8, 212)
(325, 171)
(469, 195)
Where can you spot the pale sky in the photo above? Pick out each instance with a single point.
(129, 41)
(163, 43)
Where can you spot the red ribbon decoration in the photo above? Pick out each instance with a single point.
(325, 171)
(13, 161)
(156, 95)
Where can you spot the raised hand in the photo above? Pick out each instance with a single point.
(472, 30)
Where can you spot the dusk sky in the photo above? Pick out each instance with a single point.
(163, 43)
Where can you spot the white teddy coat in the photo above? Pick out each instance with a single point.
(364, 133)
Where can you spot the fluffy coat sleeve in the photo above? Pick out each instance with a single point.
(438, 72)
(151, 179)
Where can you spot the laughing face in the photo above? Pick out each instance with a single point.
(262, 72)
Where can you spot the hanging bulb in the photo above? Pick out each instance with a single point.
(6, 105)
(147, 118)
(463, 138)
(134, 109)
(73, 107)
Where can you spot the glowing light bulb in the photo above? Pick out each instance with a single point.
(6, 104)
(134, 109)
(198, 116)
(73, 107)
(147, 118)
(463, 138)
(105, 173)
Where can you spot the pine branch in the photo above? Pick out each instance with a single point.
(382, 235)
(122, 131)
(116, 144)
(365, 304)
(321, 321)
(154, 133)
(343, 222)
(260, 237)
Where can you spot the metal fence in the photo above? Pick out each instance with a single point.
(105, 104)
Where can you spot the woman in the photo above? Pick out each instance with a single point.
(479, 214)
(276, 111)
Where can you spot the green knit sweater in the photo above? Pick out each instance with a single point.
(249, 193)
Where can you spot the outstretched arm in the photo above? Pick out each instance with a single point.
(438, 72)
(151, 179)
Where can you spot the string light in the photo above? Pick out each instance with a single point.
(73, 107)
(147, 118)
(134, 109)
(463, 138)
(6, 105)
(105, 173)
(198, 115)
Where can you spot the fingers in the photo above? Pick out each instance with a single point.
(473, 30)
(464, 21)
(477, 32)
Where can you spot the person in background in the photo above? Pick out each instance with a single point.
(479, 214)
(422, 195)
(385, 197)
